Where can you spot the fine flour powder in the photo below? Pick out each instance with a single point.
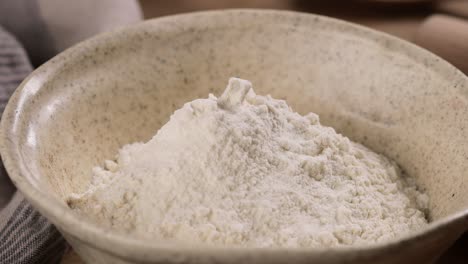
(245, 170)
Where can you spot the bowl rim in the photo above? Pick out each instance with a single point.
(127, 247)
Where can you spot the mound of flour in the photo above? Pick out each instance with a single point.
(245, 170)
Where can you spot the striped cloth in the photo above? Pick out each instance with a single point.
(25, 236)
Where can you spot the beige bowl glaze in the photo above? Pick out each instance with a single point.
(80, 107)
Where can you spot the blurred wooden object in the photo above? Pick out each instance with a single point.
(70, 257)
(454, 7)
(153, 8)
(396, 19)
(410, 2)
(403, 27)
(457, 253)
(447, 37)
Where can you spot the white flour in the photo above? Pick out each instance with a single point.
(246, 170)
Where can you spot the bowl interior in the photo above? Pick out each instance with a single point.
(81, 107)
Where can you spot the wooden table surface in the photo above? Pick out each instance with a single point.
(402, 20)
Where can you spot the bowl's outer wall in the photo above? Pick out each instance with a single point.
(78, 109)
(413, 252)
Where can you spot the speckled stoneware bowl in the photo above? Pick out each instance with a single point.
(398, 99)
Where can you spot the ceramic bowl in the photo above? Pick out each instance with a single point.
(79, 108)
